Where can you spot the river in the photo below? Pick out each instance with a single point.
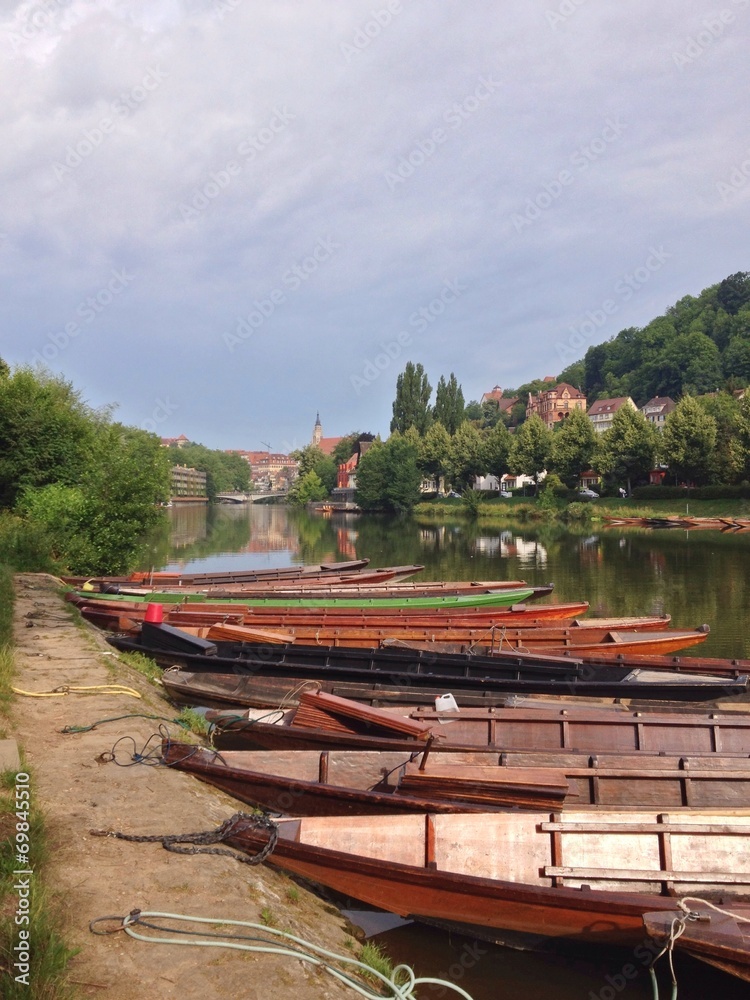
(698, 577)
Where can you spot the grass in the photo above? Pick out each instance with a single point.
(292, 894)
(194, 721)
(374, 956)
(49, 956)
(143, 664)
(526, 510)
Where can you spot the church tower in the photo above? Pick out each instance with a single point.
(317, 432)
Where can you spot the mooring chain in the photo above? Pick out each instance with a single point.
(171, 841)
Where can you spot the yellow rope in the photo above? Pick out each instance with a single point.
(70, 689)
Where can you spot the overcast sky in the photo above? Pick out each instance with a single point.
(225, 215)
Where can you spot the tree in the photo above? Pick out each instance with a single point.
(466, 457)
(573, 447)
(626, 452)
(311, 458)
(388, 477)
(688, 441)
(497, 447)
(734, 292)
(98, 525)
(449, 406)
(46, 433)
(433, 454)
(529, 452)
(411, 405)
(728, 455)
(308, 488)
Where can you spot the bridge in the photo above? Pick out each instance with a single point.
(248, 497)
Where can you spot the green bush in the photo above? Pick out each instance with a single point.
(26, 547)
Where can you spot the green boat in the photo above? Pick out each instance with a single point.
(501, 598)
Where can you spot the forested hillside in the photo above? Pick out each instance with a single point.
(699, 345)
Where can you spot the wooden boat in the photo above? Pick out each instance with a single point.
(500, 598)
(331, 784)
(715, 935)
(273, 683)
(488, 641)
(163, 643)
(337, 783)
(226, 576)
(322, 721)
(515, 614)
(586, 642)
(467, 872)
(363, 581)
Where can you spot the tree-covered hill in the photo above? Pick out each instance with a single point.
(699, 345)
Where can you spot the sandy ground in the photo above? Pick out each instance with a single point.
(95, 876)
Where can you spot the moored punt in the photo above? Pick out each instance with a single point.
(307, 783)
(584, 642)
(314, 595)
(501, 598)
(271, 684)
(488, 642)
(515, 614)
(467, 871)
(370, 579)
(227, 576)
(322, 722)
(715, 935)
(311, 784)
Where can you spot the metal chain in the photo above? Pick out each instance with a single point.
(170, 841)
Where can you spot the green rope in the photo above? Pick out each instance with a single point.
(296, 947)
(117, 718)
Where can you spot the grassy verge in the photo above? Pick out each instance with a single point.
(33, 954)
(525, 509)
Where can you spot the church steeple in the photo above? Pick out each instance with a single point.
(317, 430)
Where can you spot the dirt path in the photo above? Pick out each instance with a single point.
(100, 876)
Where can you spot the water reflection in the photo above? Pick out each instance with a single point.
(699, 577)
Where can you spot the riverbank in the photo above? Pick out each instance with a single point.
(524, 509)
(79, 789)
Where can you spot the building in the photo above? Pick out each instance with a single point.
(178, 442)
(347, 471)
(555, 404)
(187, 482)
(326, 444)
(269, 470)
(657, 410)
(602, 412)
(495, 395)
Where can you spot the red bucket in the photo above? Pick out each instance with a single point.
(154, 614)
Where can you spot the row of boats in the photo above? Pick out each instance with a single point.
(473, 755)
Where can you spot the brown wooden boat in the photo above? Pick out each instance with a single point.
(467, 871)
(227, 576)
(363, 581)
(321, 722)
(121, 615)
(336, 783)
(341, 784)
(587, 642)
(715, 935)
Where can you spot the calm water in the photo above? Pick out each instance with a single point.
(697, 577)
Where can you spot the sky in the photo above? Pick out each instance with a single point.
(221, 217)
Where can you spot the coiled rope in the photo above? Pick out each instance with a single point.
(270, 940)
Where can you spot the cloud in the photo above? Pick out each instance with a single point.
(208, 147)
